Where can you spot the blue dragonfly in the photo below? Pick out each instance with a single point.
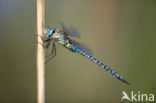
(63, 37)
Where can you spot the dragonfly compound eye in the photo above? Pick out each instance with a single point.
(49, 31)
(52, 29)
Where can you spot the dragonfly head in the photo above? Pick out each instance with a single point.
(49, 31)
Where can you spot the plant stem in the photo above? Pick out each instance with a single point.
(40, 51)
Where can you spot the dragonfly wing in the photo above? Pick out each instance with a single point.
(71, 31)
(82, 47)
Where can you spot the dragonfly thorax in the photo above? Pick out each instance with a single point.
(49, 31)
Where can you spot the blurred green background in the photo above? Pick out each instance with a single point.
(121, 33)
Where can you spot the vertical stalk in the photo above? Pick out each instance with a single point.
(40, 51)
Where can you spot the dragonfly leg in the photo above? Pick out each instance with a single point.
(47, 40)
(47, 45)
(53, 50)
(53, 53)
(40, 43)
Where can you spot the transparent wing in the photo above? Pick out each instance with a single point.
(71, 31)
(83, 47)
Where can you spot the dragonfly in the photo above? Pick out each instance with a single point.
(63, 37)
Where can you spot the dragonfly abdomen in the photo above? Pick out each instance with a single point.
(76, 49)
(103, 66)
